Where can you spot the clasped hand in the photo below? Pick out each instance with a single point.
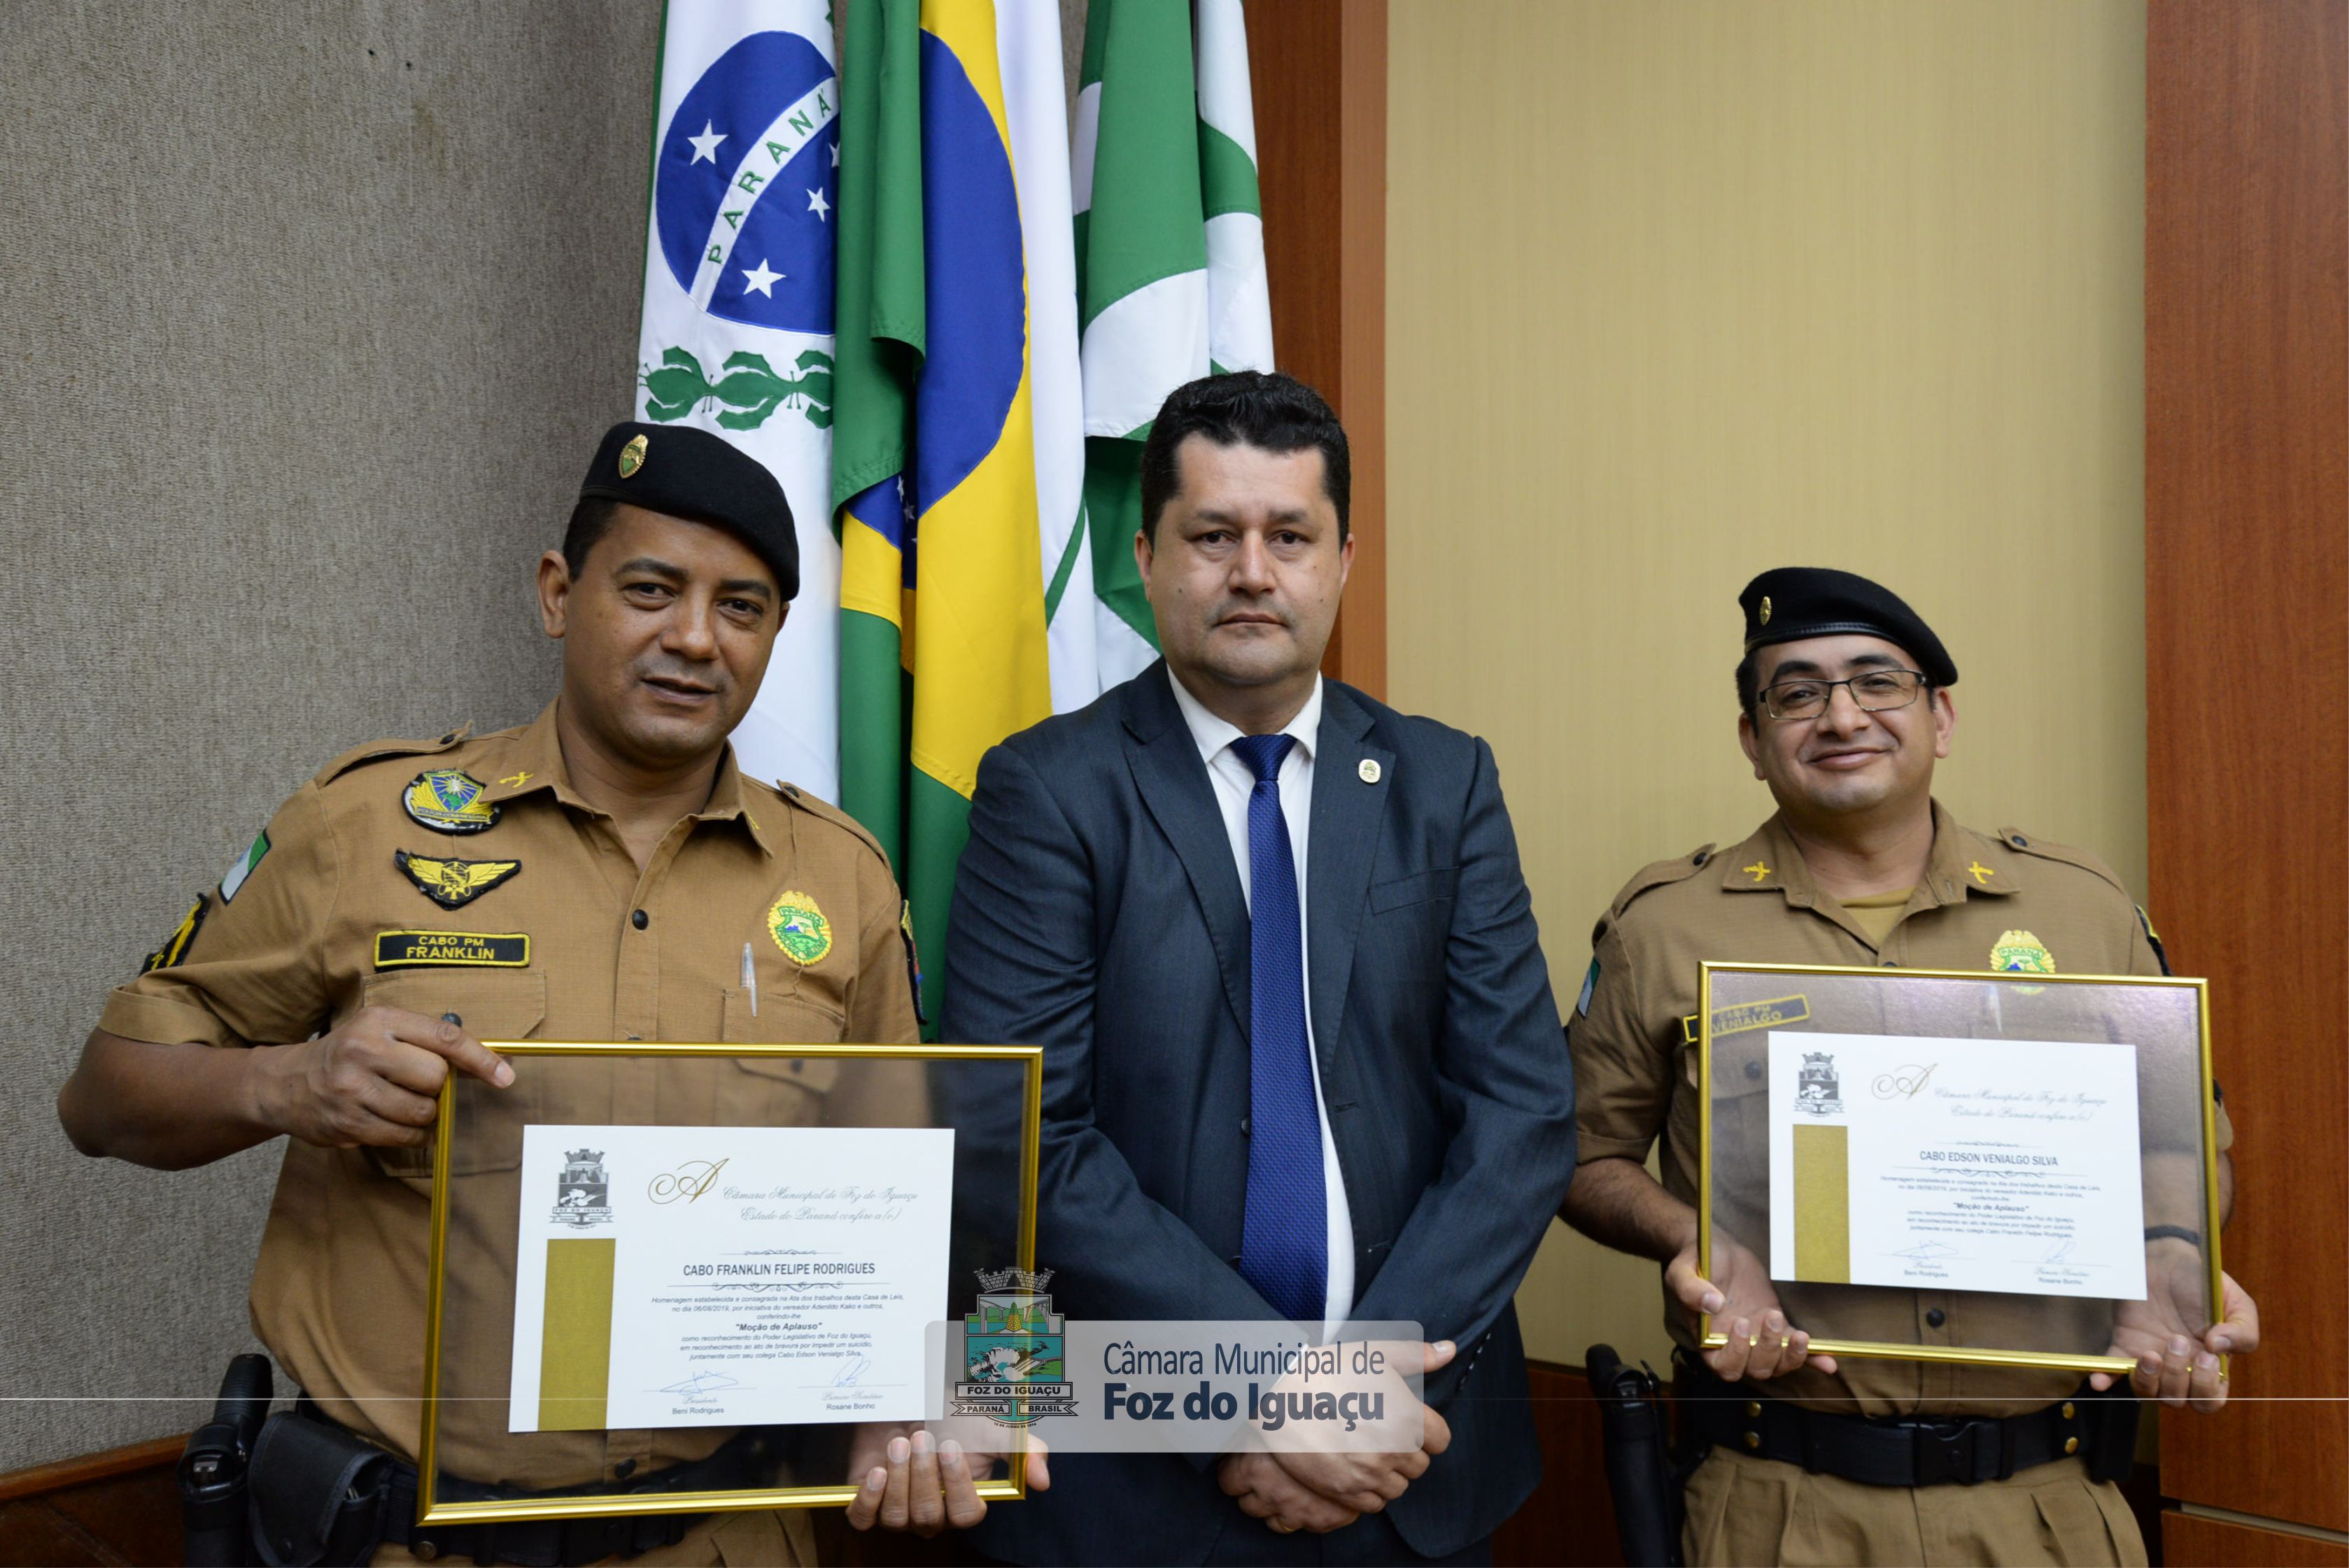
(1321, 1490)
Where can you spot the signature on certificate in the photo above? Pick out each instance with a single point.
(2060, 1253)
(701, 1384)
(1928, 1251)
(851, 1372)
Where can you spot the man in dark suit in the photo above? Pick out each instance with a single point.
(1301, 1056)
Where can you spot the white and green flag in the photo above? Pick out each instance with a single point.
(736, 330)
(1170, 260)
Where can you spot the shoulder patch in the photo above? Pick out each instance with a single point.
(792, 795)
(2064, 854)
(175, 946)
(376, 750)
(2160, 954)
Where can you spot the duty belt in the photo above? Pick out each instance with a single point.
(743, 1460)
(1910, 1450)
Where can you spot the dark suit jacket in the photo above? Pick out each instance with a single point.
(1098, 912)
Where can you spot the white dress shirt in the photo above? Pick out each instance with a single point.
(1234, 783)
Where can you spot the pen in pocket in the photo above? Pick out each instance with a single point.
(750, 979)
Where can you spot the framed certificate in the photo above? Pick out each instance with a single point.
(1958, 1166)
(693, 1278)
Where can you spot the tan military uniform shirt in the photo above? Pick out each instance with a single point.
(572, 943)
(1635, 1065)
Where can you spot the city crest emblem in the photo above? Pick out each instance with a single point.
(582, 1192)
(1013, 1352)
(2020, 953)
(449, 802)
(799, 928)
(1819, 1091)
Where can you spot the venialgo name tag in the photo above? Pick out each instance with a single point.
(451, 949)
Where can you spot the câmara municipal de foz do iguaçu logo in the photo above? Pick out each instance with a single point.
(1013, 1352)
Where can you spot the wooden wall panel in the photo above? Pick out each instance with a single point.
(2196, 1541)
(1320, 76)
(2246, 635)
(1569, 1520)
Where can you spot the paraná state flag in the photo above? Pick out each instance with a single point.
(736, 335)
(1170, 258)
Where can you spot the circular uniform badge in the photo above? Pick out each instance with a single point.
(799, 928)
(2020, 953)
(449, 802)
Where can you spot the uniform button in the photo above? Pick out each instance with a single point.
(1892, 964)
(1753, 1408)
(1935, 1318)
(1244, 1127)
(623, 1469)
(1753, 1440)
(2071, 1445)
(2067, 1410)
(1697, 859)
(453, 1018)
(423, 1547)
(1753, 1069)
(2019, 841)
(792, 790)
(640, 919)
(634, 1039)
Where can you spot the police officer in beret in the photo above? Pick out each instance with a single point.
(593, 875)
(1845, 706)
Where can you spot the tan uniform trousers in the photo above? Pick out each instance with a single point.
(1747, 1512)
(778, 1538)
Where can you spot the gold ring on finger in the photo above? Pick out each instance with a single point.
(1279, 1529)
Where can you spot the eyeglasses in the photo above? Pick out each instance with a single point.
(1877, 691)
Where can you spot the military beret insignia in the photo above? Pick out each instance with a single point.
(799, 928)
(452, 884)
(632, 457)
(449, 802)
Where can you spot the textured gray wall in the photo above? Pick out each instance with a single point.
(310, 311)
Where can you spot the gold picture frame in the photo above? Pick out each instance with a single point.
(433, 1509)
(1704, 1036)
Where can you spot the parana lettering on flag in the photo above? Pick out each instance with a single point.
(735, 333)
(1170, 259)
(944, 649)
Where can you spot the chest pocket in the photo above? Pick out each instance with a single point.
(780, 1091)
(1427, 887)
(495, 1005)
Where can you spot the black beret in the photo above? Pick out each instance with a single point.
(690, 473)
(1789, 602)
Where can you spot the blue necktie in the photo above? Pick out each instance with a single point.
(1285, 1246)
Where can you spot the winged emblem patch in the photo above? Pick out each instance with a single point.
(452, 884)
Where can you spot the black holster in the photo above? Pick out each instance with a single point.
(2111, 1419)
(215, 1469)
(317, 1495)
(1640, 1471)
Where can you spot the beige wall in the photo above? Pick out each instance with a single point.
(313, 310)
(1679, 290)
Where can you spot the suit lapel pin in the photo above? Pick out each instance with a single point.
(1369, 769)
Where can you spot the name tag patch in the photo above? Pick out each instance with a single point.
(451, 949)
(1750, 1015)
